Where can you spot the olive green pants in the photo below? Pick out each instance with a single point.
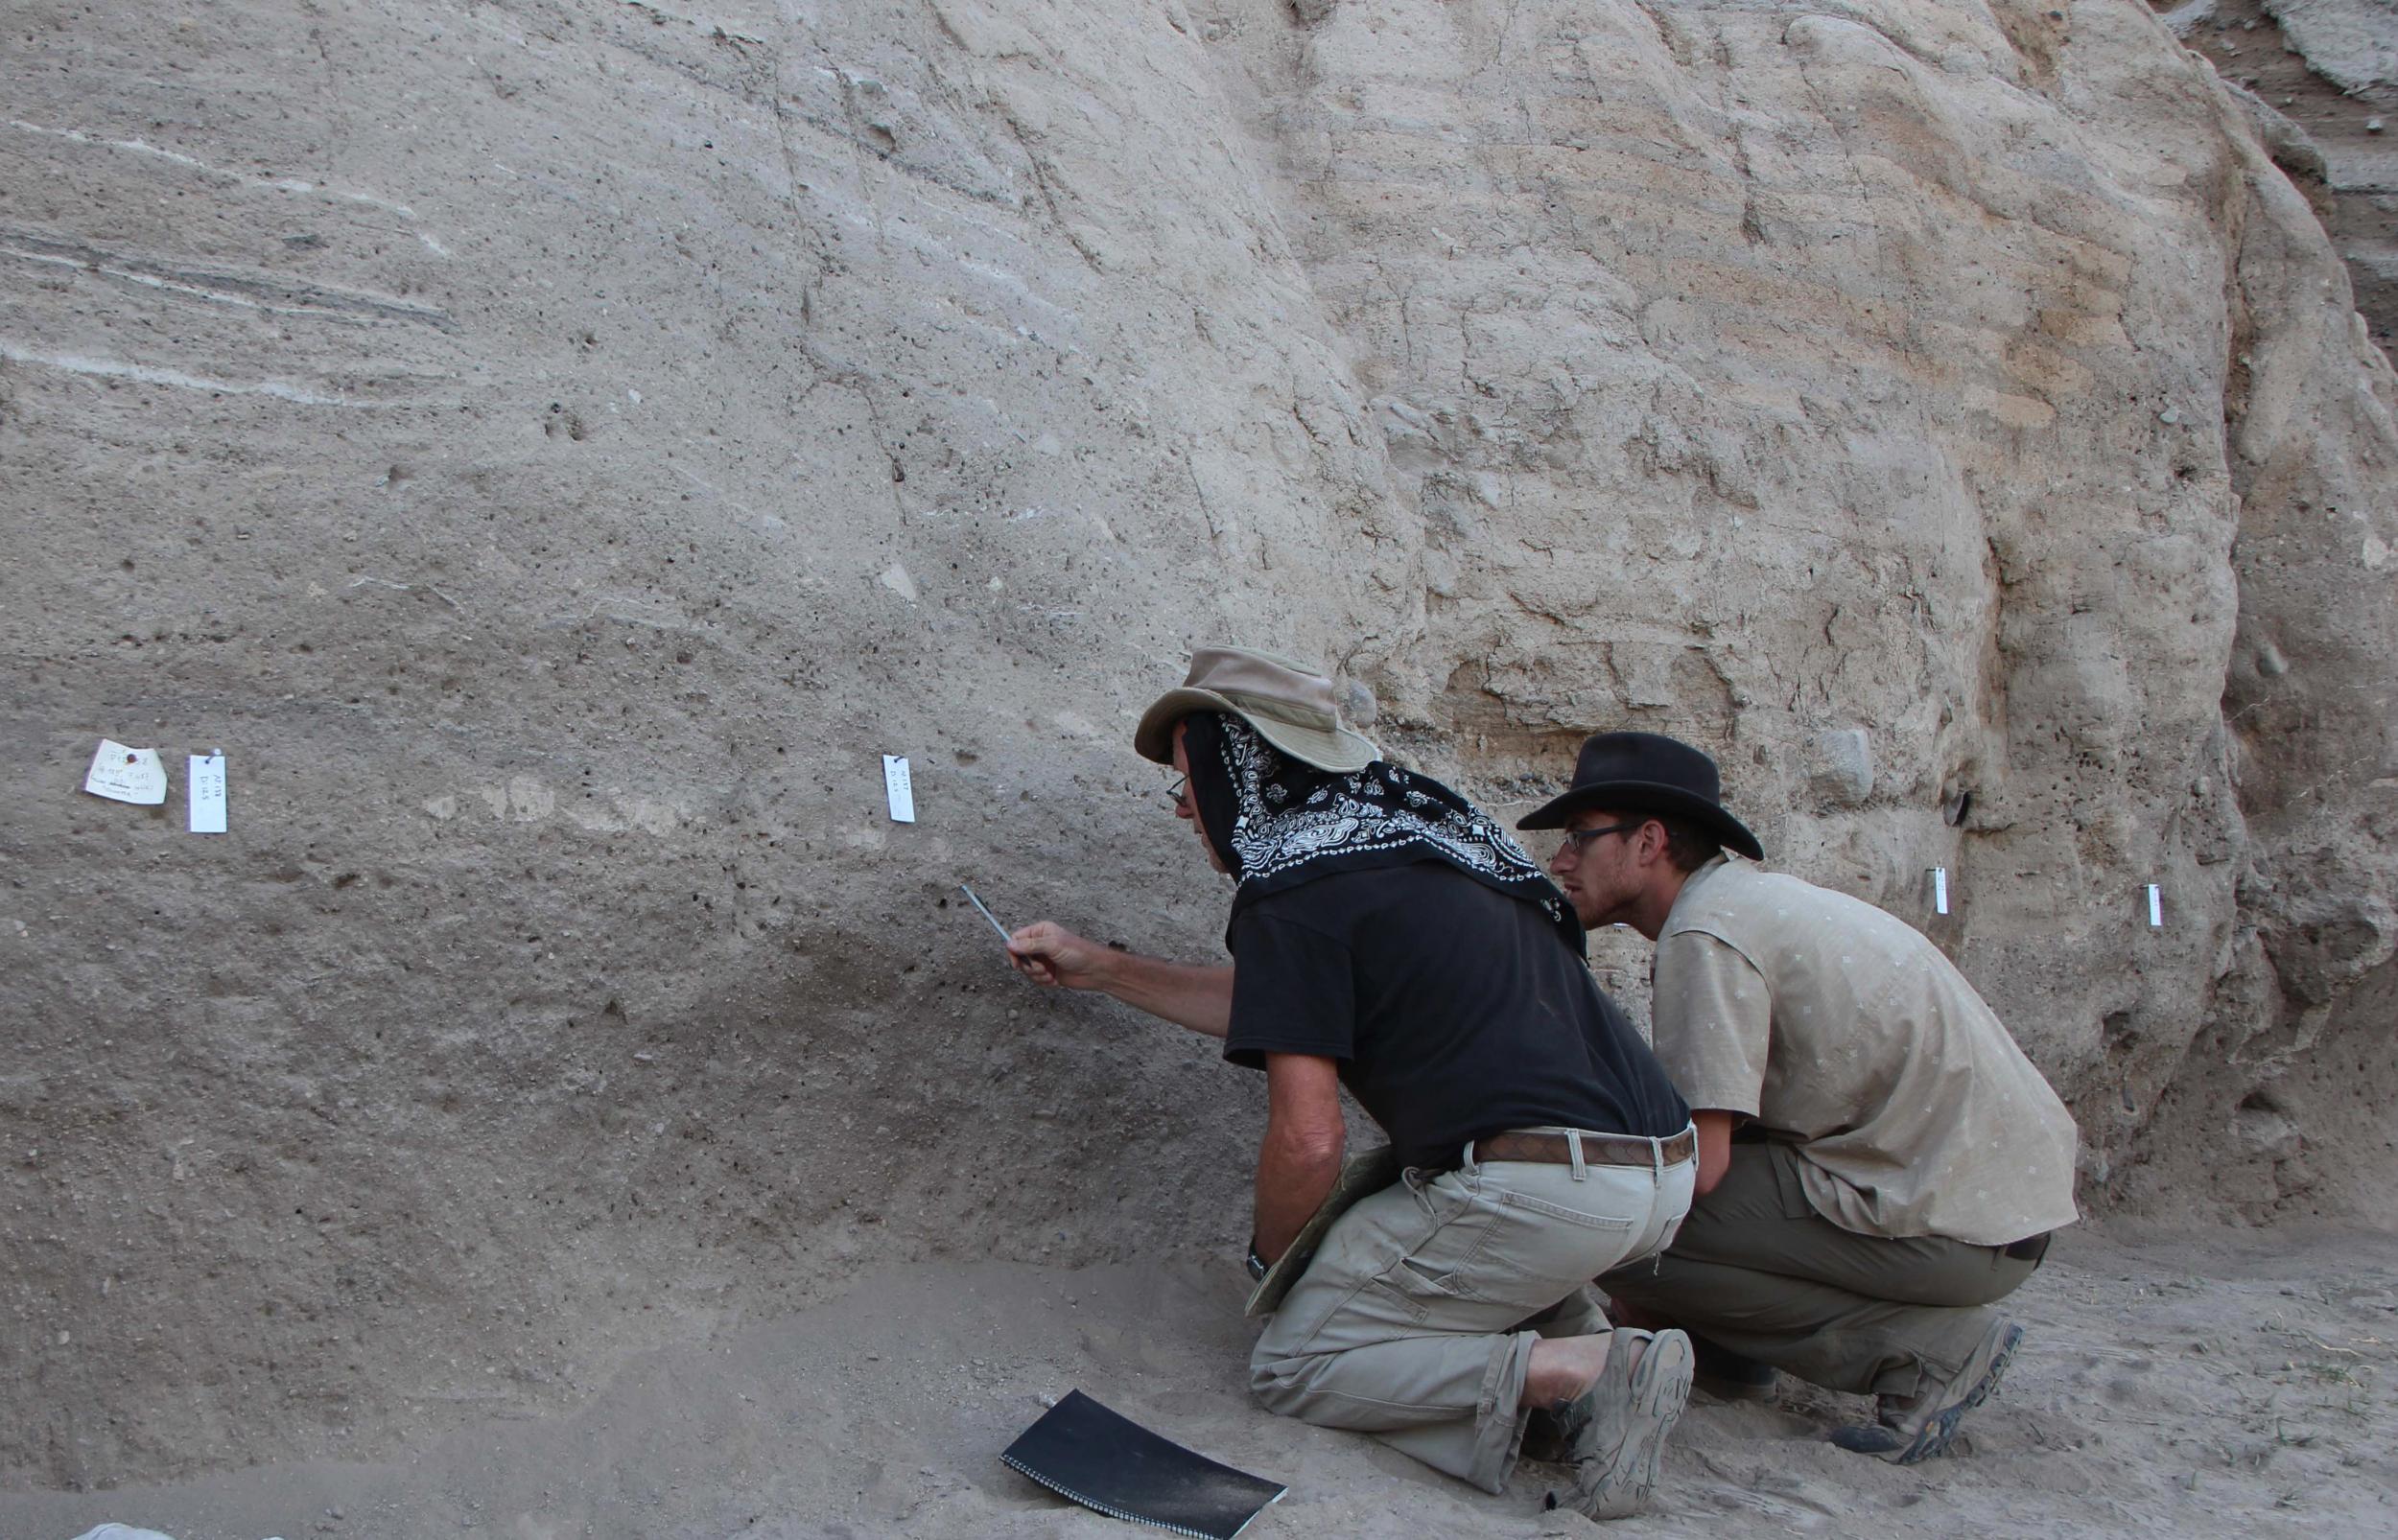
(1758, 1271)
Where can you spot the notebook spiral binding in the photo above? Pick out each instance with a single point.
(1097, 1507)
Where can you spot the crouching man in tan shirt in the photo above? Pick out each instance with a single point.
(1878, 1162)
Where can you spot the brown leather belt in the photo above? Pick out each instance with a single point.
(1597, 1149)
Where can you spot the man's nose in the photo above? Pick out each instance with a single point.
(1561, 858)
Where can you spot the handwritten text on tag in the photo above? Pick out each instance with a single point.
(127, 775)
(207, 783)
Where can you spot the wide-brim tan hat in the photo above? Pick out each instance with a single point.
(1288, 703)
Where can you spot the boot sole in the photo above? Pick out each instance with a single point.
(1617, 1481)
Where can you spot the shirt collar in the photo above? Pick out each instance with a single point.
(1690, 885)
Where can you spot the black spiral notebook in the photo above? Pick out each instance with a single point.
(1114, 1466)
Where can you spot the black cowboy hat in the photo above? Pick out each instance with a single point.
(1647, 773)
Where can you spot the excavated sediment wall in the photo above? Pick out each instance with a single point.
(556, 446)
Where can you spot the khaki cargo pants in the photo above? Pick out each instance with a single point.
(1416, 1320)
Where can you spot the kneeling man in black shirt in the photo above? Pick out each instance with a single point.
(1388, 937)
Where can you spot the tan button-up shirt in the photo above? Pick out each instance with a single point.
(1844, 1030)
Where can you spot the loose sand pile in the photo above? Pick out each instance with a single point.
(2211, 1383)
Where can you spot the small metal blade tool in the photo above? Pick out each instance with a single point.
(986, 913)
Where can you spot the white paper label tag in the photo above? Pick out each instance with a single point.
(1939, 890)
(2157, 907)
(127, 775)
(902, 790)
(207, 783)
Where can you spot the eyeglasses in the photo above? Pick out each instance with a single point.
(1579, 839)
(1178, 795)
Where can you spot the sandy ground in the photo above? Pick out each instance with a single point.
(2196, 1383)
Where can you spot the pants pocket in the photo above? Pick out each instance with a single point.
(1571, 1216)
(1788, 1188)
(1446, 1263)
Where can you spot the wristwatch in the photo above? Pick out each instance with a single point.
(1257, 1263)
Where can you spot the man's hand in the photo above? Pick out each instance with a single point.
(1050, 954)
(1200, 998)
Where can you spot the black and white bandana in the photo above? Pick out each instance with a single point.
(1279, 822)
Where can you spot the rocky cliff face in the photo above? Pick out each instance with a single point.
(553, 449)
(2321, 78)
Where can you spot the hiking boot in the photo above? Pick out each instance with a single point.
(1631, 1408)
(1905, 1431)
(1729, 1376)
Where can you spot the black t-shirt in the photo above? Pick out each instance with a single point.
(1455, 1012)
